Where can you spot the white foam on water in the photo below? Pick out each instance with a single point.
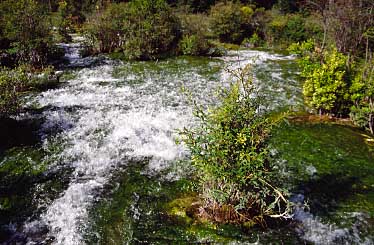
(280, 91)
(71, 50)
(103, 126)
(253, 56)
(314, 230)
(73, 53)
(105, 121)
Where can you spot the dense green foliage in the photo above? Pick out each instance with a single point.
(64, 21)
(335, 85)
(104, 31)
(196, 34)
(141, 29)
(25, 31)
(12, 83)
(285, 29)
(147, 29)
(230, 21)
(325, 87)
(234, 177)
(338, 69)
(362, 95)
(236, 23)
(16, 82)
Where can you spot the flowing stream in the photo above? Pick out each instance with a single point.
(109, 118)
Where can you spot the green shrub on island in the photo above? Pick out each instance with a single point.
(140, 29)
(103, 30)
(254, 41)
(335, 85)
(192, 45)
(235, 179)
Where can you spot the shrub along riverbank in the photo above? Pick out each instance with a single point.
(16, 82)
(26, 49)
(146, 29)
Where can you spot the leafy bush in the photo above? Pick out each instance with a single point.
(141, 29)
(195, 24)
(234, 176)
(313, 25)
(189, 45)
(150, 28)
(26, 27)
(16, 82)
(295, 29)
(104, 30)
(362, 95)
(231, 22)
(12, 83)
(362, 116)
(196, 34)
(274, 27)
(286, 29)
(325, 87)
(64, 21)
(254, 41)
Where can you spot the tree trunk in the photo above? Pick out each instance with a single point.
(324, 35)
(371, 116)
(367, 49)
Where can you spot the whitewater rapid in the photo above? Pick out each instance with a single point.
(109, 115)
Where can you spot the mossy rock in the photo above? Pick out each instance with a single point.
(184, 209)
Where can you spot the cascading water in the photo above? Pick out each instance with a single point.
(113, 122)
(114, 113)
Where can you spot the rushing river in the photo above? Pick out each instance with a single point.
(106, 157)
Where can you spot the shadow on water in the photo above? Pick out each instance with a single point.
(17, 133)
(25, 132)
(27, 185)
(325, 192)
(28, 132)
